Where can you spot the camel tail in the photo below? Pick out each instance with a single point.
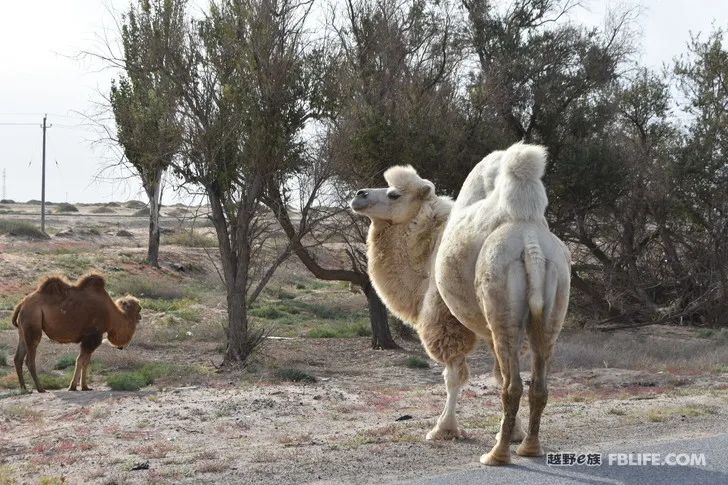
(522, 195)
(14, 319)
(535, 263)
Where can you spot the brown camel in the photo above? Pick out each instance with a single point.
(80, 313)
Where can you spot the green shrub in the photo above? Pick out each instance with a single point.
(145, 287)
(182, 308)
(3, 358)
(294, 375)
(66, 207)
(54, 381)
(65, 361)
(415, 362)
(22, 229)
(192, 239)
(127, 381)
(341, 330)
(267, 311)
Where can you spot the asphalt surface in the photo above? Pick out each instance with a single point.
(536, 471)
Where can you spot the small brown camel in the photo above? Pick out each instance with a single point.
(72, 313)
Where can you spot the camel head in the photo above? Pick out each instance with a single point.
(123, 329)
(400, 201)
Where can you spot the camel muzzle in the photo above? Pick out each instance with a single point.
(360, 201)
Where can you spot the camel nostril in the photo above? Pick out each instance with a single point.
(362, 193)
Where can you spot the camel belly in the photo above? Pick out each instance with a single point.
(455, 274)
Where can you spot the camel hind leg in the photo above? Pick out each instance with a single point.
(542, 335)
(20, 353)
(32, 339)
(505, 309)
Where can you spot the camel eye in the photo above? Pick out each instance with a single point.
(394, 195)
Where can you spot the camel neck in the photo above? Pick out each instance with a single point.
(400, 261)
(121, 329)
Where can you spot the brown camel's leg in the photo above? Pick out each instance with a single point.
(19, 356)
(76, 373)
(88, 346)
(32, 339)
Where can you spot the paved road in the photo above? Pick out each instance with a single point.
(535, 470)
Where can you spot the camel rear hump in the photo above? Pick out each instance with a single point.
(522, 196)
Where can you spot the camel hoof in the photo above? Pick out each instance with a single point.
(72, 389)
(532, 448)
(493, 458)
(444, 434)
(86, 389)
(41, 390)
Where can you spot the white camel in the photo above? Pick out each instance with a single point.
(485, 266)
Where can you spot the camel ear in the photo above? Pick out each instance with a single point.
(426, 190)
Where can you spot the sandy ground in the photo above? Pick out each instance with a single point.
(242, 427)
(363, 421)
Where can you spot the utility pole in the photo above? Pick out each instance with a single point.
(4, 185)
(42, 190)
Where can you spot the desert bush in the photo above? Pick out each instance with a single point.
(3, 358)
(66, 207)
(268, 311)
(54, 381)
(7, 201)
(103, 210)
(65, 361)
(143, 287)
(415, 362)
(341, 330)
(587, 349)
(293, 375)
(22, 229)
(135, 204)
(127, 381)
(192, 239)
(143, 212)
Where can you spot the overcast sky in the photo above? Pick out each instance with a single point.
(40, 72)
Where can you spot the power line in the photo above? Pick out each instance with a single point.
(17, 124)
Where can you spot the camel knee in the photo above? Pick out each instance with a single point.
(456, 375)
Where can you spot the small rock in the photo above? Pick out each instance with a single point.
(405, 417)
(144, 465)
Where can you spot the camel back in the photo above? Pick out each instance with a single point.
(59, 286)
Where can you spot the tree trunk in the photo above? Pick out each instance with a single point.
(154, 191)
(237, 334)
(381, 335)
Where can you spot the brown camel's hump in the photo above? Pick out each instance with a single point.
(93, 281)
(54, 286)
